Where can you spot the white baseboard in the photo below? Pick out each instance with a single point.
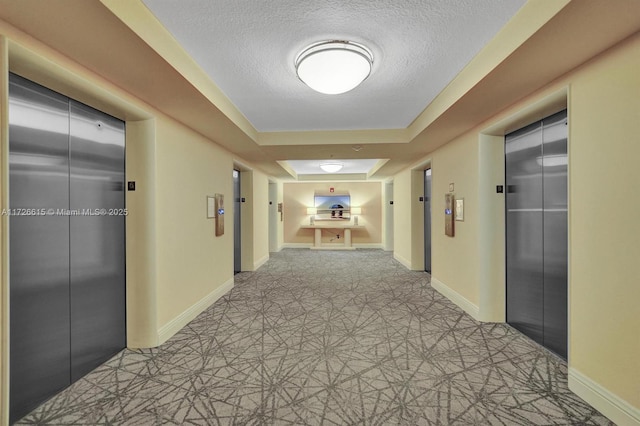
(176, 324)
(367, 245)
(325, 245)
(333, 247)
(402, 260)
(616, 409)
(260, 262)
(462, 302)
(297, 245)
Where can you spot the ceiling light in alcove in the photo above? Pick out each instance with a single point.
(331, 166)
(334, 67)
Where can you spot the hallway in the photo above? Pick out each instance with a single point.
(330, 338)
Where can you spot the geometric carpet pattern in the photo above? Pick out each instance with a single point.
(328, 338)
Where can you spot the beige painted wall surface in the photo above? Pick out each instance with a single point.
(454, 260)
(192, 261)
(417, 218)
(142, 324)
(298, 196)
(280, 230)
(402, 248)
(604, 120)
(246, 219)
(260, 218)
(491, 229)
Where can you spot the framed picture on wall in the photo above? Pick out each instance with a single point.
(460, 209)
(333, 207)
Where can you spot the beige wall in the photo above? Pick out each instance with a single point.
(260, 219)
(192, 261)
(254, 212)
(454, 261)
(278, 240)
(246, 218)
(408, 217)
(142, 271)
(604, 117)
(387, 214)
(402, 212)
(604, 313)
(298, 196)
(490, 219)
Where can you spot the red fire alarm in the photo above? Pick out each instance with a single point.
(331, 189)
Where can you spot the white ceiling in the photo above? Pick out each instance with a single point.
(248, 48)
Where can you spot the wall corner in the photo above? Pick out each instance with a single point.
(141, 230)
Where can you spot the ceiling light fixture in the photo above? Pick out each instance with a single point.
(334, 67)
(331, 166)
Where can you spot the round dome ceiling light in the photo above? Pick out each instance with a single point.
(331, 166)
(334, 67)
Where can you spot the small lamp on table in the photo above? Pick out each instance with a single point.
(355, 211)
(312, 212)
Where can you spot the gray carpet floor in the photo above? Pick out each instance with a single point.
(329, 338)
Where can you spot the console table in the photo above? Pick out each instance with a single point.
(317, 240)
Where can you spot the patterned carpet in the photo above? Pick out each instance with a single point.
(329, 338)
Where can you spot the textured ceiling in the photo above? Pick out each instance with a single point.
(248, 48)
(122, 43)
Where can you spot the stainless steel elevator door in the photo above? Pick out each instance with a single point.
(66, 244)
(96, 153)
(39, 244)
(427, 220)
(537, 229)
(237, 241)
(555, 238)
(524, 231)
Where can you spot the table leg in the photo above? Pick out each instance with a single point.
(347, 237)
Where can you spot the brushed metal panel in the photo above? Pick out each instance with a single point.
(427, 220)
(219, 204)
(97, 243)
(537, 229)
(237, 245)
(524, 243)
(554, 162)
(39, 244)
